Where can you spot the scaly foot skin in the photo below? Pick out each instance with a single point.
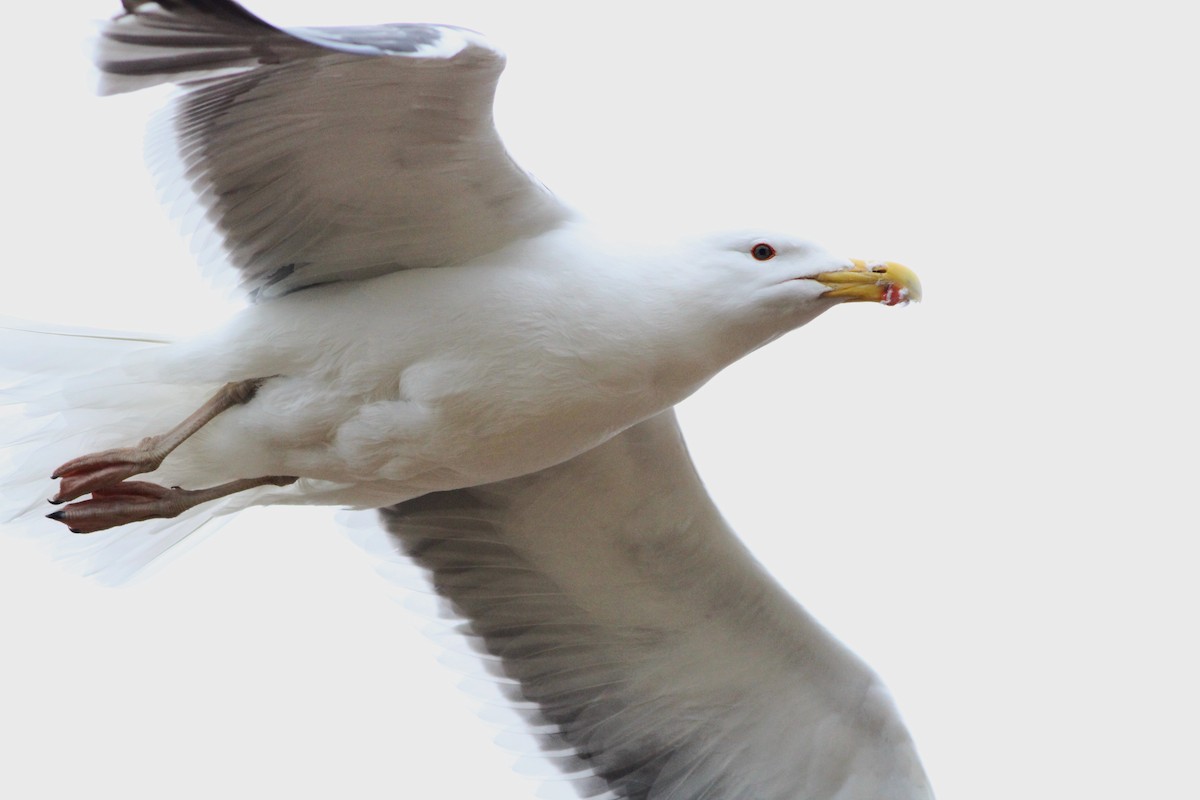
(135, 501)
(85, 474)
(108, 469)
(117, 501)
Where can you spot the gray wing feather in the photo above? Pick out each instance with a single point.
(323, 154)
(661, 661)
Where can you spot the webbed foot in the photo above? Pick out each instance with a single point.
(135, 501)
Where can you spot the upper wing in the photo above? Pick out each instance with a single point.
(325, 154)
(659, 655)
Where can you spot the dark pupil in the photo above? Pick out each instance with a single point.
(762, 252)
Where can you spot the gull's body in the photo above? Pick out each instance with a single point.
(385, 388)
(433, 331)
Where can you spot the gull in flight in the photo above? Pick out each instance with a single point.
(433, 333)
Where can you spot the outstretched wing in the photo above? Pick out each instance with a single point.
(324, 154)
(661, 660)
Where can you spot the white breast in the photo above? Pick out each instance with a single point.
(441, 378)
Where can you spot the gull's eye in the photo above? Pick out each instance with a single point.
(762, 251)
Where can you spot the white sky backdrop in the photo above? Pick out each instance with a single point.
(990, 497)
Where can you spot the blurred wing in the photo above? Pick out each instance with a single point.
(323, 154)
(660, 659)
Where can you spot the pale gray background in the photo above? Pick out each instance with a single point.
(990, 496)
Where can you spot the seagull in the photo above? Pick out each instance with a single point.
(434, 334)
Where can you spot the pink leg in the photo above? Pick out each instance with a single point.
(135, 501)
(85, 474)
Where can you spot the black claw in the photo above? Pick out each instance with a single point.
(54, 502)
(56, 515)
(74, 530)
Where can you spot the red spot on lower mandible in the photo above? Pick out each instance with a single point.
(893, 295)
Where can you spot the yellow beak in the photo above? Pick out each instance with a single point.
(875, 282)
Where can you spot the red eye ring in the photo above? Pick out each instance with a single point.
(762, 251)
